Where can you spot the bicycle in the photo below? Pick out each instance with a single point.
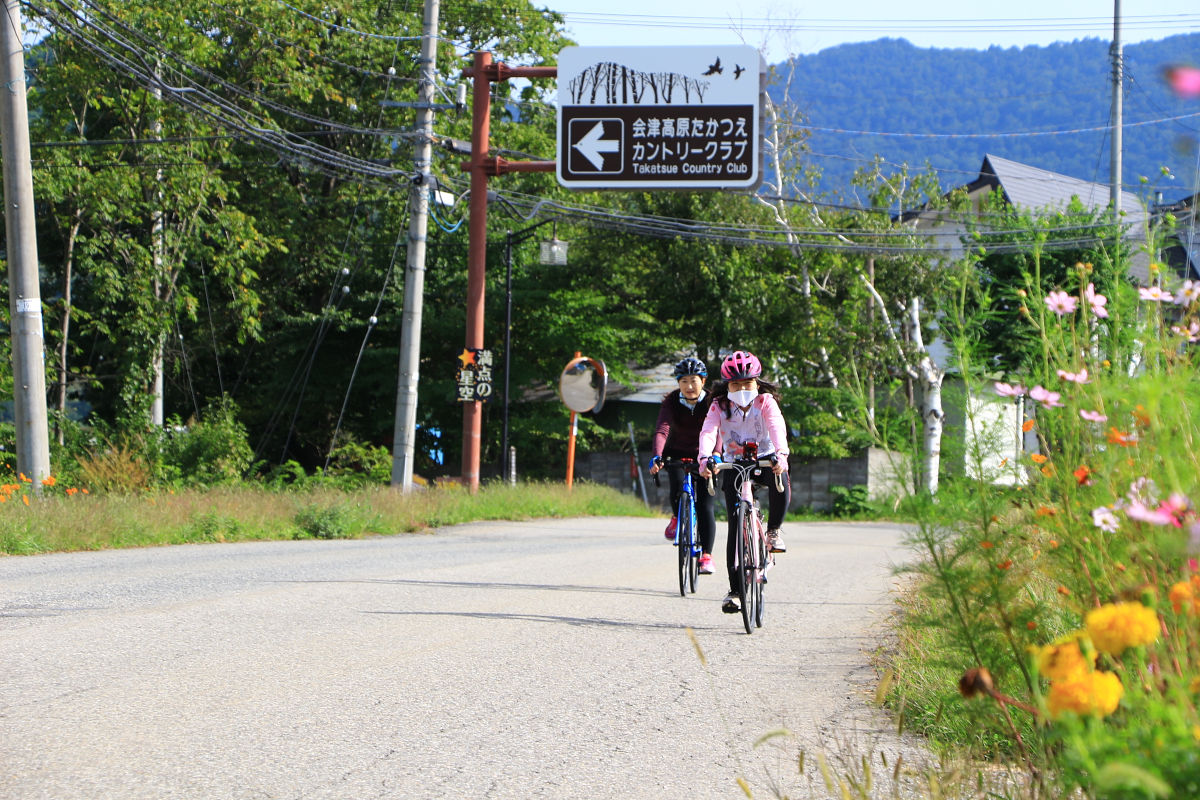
(752, 555)
(686, 541)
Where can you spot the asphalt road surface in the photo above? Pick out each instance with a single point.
(545, 659)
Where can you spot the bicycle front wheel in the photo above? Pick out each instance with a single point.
(748, 590)
(684, 548)
(760, 573)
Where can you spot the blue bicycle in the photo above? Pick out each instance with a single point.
(686, 540)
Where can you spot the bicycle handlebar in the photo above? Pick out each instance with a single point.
(745, 465)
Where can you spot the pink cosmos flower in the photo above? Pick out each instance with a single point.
(1192, 332)
(1007, 390)
(1188, 293)
(1143, 490)
(1154, 294)
(1104, 519)
(1137, 510)
(1047, 398)
(1060, 302)
(1097, 301)
(1178, 507)
(1092, 416)
(1184, 80)
(1080, 377)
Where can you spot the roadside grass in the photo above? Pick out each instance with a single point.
(57, 523)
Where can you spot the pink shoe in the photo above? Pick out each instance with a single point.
(670, 531)
(706, 564)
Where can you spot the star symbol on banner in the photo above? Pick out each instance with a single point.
(467, 358)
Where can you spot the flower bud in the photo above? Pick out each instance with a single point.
(975, 681)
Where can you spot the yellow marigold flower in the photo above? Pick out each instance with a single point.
(1064, 657)
(1183, 597)
(1038, 458)
(1116, 626)
(48, 480)
(1096, 693)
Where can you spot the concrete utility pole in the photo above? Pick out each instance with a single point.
(24, 293)
(1118, 90)
(405, 433)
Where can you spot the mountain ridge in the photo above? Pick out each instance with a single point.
(1047, 106)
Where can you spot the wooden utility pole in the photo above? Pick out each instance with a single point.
(24, 293)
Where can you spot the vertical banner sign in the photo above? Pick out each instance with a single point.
(660, 117)
(474, 376)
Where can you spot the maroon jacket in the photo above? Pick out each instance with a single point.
(677, 432)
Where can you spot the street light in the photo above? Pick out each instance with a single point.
(553, 253)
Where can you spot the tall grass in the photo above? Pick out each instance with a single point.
(1056, 621)
(55, 521)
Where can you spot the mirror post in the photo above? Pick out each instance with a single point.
(571, 445)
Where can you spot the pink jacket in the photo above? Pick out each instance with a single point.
(762, 422)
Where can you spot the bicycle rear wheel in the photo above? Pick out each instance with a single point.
(748, 592)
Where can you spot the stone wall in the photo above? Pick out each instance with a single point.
(882, 472)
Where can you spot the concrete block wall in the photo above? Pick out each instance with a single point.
(881, 471)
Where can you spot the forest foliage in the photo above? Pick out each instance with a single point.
(222, 190)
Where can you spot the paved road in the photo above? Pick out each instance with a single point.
(545, 659)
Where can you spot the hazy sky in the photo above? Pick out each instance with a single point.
(783, 28)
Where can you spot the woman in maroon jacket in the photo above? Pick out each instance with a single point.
(677, 435)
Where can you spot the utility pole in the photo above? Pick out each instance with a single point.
(484, 73)
(24, 293)
(1118, 90)
(405, 433)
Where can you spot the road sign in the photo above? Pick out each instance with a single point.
(660, 118)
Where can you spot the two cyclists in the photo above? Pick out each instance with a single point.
(744, 421)
(677, 436)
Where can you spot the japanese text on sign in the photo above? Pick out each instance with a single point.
(474, 377)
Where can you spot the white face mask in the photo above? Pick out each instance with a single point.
(744, 397)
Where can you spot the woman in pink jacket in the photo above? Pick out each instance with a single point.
(745, 414)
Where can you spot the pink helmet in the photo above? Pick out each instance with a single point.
(740, 365)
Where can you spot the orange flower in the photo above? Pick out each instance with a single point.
(1027, 425)
(1038, 458)
(1048, 471)
(85, 491)
(21, 475)
(1140, 415)
(1031, 625)
(1082, 476)
(71, 491)
(48, 480)
(1054, 544)
(1183, 596)
(1064, 591)
(25, 499)
(1005, 564)
(986, 545)
(1120, 438)
(1045, 511)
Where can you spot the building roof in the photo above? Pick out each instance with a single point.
(1030, 187)
(1035, 189)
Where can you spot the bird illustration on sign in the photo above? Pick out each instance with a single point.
(714, 68)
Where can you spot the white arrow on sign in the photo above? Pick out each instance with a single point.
(592, 146)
